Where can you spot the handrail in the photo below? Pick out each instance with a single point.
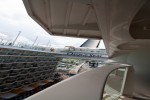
(88, 85)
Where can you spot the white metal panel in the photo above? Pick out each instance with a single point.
(85, 86)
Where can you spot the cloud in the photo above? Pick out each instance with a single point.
(3, 36)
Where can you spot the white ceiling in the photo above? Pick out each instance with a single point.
(64, 17)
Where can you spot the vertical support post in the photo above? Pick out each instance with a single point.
(16, 38)
(98, 44)
(124, 80)
(35, 41)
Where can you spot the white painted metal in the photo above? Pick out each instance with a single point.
(75, 18)
(85, 86)
(124, 81)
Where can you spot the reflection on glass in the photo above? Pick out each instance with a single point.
(115, 84)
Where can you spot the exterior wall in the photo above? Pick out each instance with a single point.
(139, 59)
(141, 63)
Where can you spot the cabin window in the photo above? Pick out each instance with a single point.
(115, 84)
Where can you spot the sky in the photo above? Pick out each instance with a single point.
(14, 18)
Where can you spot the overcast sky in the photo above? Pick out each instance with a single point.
(14, 18)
